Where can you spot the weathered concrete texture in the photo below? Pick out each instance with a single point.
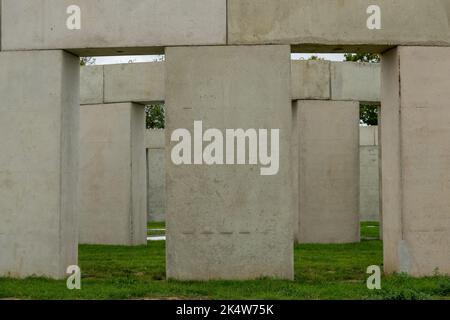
(39, 116)
(355, 81)
(114, 27)
(91, 85)
(310, 80)
(336, 25)
(369, 185)
(137, 82)
(228, 221)
(328, 172)
(156, 175)
(142, 83)
(112, 175)
(415, 137)
(145, 82)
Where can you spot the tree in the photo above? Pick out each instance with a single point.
(362, 57)
(84, 61)
(155, 116)
(368, 113)
(315, 58)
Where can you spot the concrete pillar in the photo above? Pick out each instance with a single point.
(328, 172)
(112, 174)
(369, 197)
(39, 116)
(415, 142)
(229, 221)
(156, 175)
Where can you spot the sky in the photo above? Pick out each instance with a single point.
(128, 59)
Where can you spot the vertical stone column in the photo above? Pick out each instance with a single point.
(112, 174)
(229, 221)
(156, 175)
(39, 116)
(369, 197)
(415, 153)
(328, 171)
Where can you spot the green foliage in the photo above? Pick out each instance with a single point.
(362, 57)
(316, 58)
(85, 61)
(155, 116)
(368, 114)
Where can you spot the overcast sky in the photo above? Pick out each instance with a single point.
(127, 59)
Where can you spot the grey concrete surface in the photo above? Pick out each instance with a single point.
(112, 175)
(91, 85)
(117, 27)
(328, 172)
(156, 175)
(137, 82)
(39, 116)
(310, 80)
(415, 135)
(142, 83)
(355, 81)
(228, 221)
(336, 25)
(369, 185)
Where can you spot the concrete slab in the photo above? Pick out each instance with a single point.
(368, 136)
(337, 26)
(156, 175)
(369, 192)
(137, 82)
(310, 80)
(120, 27)
(91, 85)
(112, 175)
(145, 82)
(155, 139)
(355, 81)
(415, 135)
(39, 116)
(228, 221)
(328, 172)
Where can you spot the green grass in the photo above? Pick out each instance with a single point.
(156, 225)
(370, 230)
(321, 272)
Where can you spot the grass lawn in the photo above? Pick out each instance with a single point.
(321, 272)
(155, 228)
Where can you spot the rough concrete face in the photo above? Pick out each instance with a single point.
(310, 80)
(355, 81)
(39, 115)
(415, 137)
(369, 197)
(112, 175)
(336, 25)
(116, 27)
(228, 221)
(137, 82)
(328, 172)
(91, 85)
(156, 175)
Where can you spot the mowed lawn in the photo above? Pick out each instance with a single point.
(321, 272)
